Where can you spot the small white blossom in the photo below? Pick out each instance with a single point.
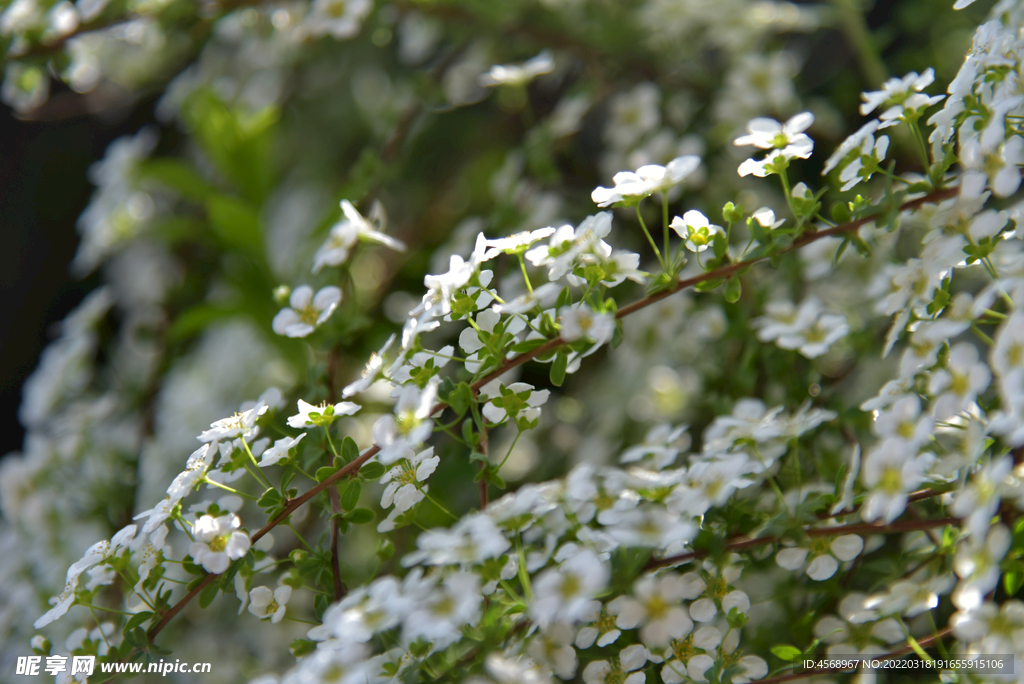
(898, 95)
(632, 186)
(564, 593)
(218, 541)
(579, 321)
(279, 451)
(346, 233)
(266, 604)
(307, 311)
(695, 228)
(321, 415)
(519, 75)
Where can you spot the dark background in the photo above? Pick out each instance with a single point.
(43, 189)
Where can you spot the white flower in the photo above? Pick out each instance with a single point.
(241, 425)
(790, 137)
(853, 142)
(766, 217)
(473, 539)
(519, 75)
(891, 471)
(517, 243)
(321, 415)
(656, 608)
(660, 444)
(600, 629)
(864, 164)
(645, 181)
(218, 541)
(564, 593)
(783, 142)
(473, 339)
(442, 287)
(977, 564)
(999, 168)
(695, 228)
(307, 311)
(653, 527)
(905, 421)
(566, 244)
(410, 425)
(825, 552)
(347, 232)
(405, 486)
(553, 647)
(898, 95)
(540, 298)
(579, 321)
(265, 604)
(339, 18)
(370, 373)
(979, 499)
(859, 632)
(957, 385)
(279, 451)
(520, 401)
(807, 329)
(618, 669)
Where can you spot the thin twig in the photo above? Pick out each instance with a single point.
(339, 588)
(812, 672)
(856, 528)
(550, 345)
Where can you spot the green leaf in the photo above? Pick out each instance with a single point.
(270, 499)
(1013, 578)
(460, 398)
(208, 594)
(351, 497)
(176, 175)
(786, 652)
(301, 647)
(360, 516)
(708, 285)
(236, 223)
(136, 621)
(196, 319)
(372, 471)
(564, 298)
(322, 474)
(558, 368)
(349, 449)
(733, 290)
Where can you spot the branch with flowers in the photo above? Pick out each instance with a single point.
(613, 449)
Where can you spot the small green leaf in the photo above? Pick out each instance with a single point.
(208, 594)
(708, 285)
(1013, 578)
(372, 471)
(136, 621)
(564, 298)
(733, 290)
(270, 499)
(235, 222)
(558, 368)
(360, 516)
(176, 175)
(349, 449)
(351, 497)
(786, 652)
(322, 474)
(301, 647)
(460, 398)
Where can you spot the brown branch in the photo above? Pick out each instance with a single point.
(856, 528)
(483, 466)
(551, 345)
(339, 588)
(812, 672)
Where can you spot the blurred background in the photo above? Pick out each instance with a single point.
(43, 189)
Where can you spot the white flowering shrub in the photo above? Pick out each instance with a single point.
(675, 379)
